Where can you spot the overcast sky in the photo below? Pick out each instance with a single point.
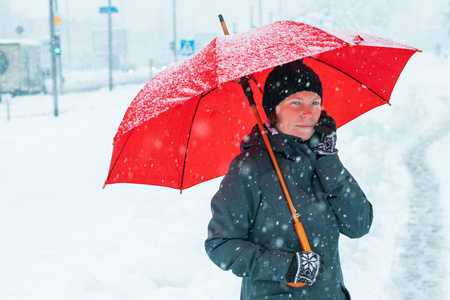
(149, 24)
(193, 15)
(138, 14)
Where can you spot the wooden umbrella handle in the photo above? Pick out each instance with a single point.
(297, 224)
(245, 84)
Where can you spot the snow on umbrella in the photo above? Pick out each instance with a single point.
(185, 126)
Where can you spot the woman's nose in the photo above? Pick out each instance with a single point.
(306, 112)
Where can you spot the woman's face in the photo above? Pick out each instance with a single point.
(298, 114)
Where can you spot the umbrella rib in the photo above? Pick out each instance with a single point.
(366, 87)
(188, 139)
(256, 82)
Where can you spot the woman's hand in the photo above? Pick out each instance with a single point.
(307, 267)
(325, 137)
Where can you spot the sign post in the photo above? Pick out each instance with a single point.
(7, 98)
(109, 10)
(174, 49)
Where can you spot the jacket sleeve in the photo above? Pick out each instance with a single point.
(351, 207)
(233, 209)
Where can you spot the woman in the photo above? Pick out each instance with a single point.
(251, 231)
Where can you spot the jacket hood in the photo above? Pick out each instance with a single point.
(287, 145)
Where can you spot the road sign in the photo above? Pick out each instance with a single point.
(56, 20)
(187, 47)
(108, 9)
(19, 29)
(4, 63)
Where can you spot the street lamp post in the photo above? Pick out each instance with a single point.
(53, 59)
(174, 31)
(110, 58)
(260, 13)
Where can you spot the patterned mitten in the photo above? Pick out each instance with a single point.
(308, 267)
(326, 129)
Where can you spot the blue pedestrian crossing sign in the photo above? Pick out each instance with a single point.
(187, 47)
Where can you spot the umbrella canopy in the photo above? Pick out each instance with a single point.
(185, 126)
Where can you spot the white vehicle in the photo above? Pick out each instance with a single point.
(20, 69)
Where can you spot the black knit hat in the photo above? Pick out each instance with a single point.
(286, 80)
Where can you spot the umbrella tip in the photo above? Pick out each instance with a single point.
(104, 186)
(224, 27)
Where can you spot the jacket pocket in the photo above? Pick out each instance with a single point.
(283, 296)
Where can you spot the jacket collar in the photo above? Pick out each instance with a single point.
(289, 146)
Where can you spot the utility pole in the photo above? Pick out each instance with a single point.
(57, 49)
(260, 13)
(53, 59)
(174, 31)
(69, 44)
(252, 25)
(150, 66)
(110, 59)
(279, 10)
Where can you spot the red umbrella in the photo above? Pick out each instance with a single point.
(185, 126)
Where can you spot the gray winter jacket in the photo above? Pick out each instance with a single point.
(251, 231)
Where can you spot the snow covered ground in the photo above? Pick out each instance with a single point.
(94, 79)
(63, 237)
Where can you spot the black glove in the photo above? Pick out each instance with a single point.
(323, 142)
(306, 267)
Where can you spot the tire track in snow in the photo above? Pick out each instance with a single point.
(419, 271)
